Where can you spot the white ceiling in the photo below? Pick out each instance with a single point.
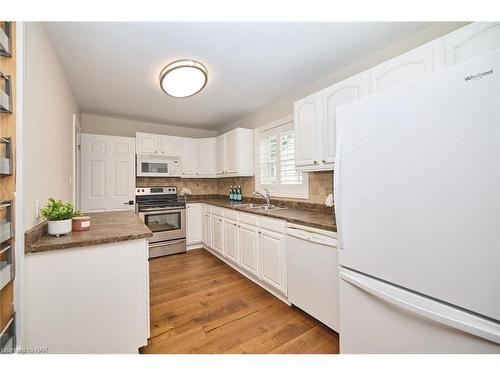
(113, 68)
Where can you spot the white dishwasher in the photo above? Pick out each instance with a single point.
(313, 274)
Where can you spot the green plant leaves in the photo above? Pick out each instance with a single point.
(56, 210)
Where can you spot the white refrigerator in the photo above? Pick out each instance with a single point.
(417, 193)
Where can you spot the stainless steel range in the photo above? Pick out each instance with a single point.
(165, 215)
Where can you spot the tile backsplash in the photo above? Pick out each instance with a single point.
(320, 185)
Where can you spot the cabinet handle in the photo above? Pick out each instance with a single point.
(235, 225)
(323, 161)
(315, 162)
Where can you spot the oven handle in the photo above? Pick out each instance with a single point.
(179, 209)
(158, 244)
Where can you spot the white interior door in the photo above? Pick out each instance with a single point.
(107, 173)
(417, 182)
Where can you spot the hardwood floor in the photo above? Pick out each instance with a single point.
(201, 305)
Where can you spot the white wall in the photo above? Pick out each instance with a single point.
(284, 107)
(49, 106)
(108, 125)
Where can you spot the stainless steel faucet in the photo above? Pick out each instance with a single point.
(267, 197)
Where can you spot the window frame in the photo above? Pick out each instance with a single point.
(294, 191)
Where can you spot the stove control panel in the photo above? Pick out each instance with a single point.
(171, 190)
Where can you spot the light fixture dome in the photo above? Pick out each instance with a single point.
(183, 78)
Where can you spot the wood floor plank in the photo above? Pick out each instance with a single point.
(201, 305)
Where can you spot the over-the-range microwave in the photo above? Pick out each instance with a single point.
(158, 166)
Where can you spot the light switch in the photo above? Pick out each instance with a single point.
(37, 208)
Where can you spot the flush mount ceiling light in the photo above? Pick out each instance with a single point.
(183, 78)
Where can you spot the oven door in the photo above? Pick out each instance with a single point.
(152, 167)
(166, 224)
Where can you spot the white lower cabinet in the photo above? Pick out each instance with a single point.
(231, 243)
(206, 226)
(272, 250)
(193, 223)
(217, 225)
(257, 251)
(249, 248)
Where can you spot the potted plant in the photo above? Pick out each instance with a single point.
(59, 215)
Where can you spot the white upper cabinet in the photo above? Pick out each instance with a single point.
(220, 155)
(232, 151)
(409, 66)
(170, 145)
(341, 93)
(147, 143)
(206, 157)
(235, 153)
(158, 144)
(471, 41)
(189, 157)
(308, 125)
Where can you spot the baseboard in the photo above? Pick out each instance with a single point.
(194, 246)
(248, 275)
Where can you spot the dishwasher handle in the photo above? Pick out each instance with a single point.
(312, 237)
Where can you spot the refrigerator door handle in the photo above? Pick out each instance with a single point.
(336, 193)
(424, 306)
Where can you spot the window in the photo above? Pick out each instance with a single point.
(276, 162)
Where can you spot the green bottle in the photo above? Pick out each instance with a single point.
(240, 197)
(231, 193)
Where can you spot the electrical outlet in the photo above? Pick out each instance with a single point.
(37, 208)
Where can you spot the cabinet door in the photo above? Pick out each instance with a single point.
(231, 151)
(307, 124)
(471, 41)
(407, 67)
(171, 145)
(207, 227)
(220, 159)
(272, 252)
(217, 234)
(249, 246)
(231, 250)
(343, 92)
(147, 143)
(206, 157)
(189, 158)
(194, 223)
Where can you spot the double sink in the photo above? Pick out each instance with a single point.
(259, 207)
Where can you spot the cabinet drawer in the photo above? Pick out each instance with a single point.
(249, 219)
(231, 214)
(216, 211)
(273, 224)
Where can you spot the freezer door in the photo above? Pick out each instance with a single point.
(418, 185)
(376, 317)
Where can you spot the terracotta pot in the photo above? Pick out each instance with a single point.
(81, 223)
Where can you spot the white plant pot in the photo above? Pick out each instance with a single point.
(59, 227)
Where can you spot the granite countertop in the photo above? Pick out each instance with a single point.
(105, 227)
(316, 219)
